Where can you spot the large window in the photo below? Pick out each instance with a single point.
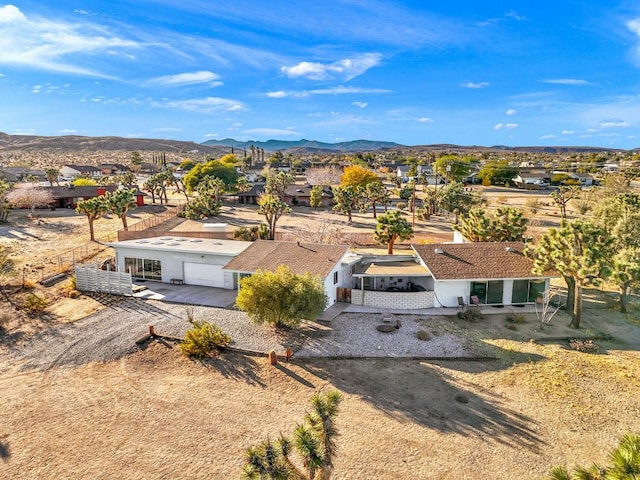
(143, 268)
(487, 292)
(527, 291)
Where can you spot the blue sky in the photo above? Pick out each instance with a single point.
(464, 72)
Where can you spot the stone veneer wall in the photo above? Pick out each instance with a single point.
(393, 300)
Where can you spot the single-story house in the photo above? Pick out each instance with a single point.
(585, 179)
(112, 168)
(490, 273)
(68, 196)
(330, 262)
(301, 195)
(71, 171)
(191, 261)
(17, 174)
(250, 197)
(532, 182)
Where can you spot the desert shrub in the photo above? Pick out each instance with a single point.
(202, 339)
(470, 315)
(511, 326)
(502, 199)
(486, 182)
(533, 204)
(587, 346)
(423, 335)
(515, 318)
(34, 304)
(401, 205)
(28, 284)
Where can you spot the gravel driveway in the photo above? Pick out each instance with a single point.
(111, 334)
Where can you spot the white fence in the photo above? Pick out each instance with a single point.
(93, 279)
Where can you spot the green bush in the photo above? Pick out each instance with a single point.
(470, 315)
(401, 205)
(202, 339)
(34, 304)
(422, 335)
(515, 317)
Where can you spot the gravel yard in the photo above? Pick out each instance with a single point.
(111, 333)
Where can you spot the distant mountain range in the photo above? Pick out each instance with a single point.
(272, 145)
(72, 143)
(77, 143)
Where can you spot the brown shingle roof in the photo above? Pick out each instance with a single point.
(482, 260)
(301, 258)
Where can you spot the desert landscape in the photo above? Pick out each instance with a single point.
(148, 412)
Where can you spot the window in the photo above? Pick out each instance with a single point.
(335, 277)
(527, 290)
(488, 292)
(143, 268)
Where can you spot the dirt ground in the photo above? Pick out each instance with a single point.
(155, 414)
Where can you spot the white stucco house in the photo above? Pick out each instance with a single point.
(487, 273)
(332, 263)
(182, 260)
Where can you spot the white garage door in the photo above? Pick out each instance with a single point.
(203, 274)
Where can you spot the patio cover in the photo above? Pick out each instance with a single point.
(394, 269)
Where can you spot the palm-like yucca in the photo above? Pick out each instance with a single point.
(625, 464)
(314, 442)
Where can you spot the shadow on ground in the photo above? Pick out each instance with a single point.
(429, 395)
(236, 366)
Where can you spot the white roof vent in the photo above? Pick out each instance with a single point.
(439, 251)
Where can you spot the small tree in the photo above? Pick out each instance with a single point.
(375, 193)
(93, 208)
(563, 196)
(208, 199)
(578, 251)
(31, 197)
(357, 176)
(314, 441)
(315, 197)
(272, 207)
(120, 202)
(506, 224)
(281, 298)
(202, 339)
(52, 175)
(391, 227)
(346, 200)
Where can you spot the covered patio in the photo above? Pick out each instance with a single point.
(401, 283)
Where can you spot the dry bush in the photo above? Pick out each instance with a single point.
(533, 204)
(203, 339)
(34, 304)
(423, 335)
(586, 346)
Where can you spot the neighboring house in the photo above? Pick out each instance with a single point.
(69, 196)
(301, 195)
(584, 179)
(330, 262)
(112, 168)
(192, 261)
(532, 182)
(71, 171)
(18, 174)
(250, 197)
(491, 273)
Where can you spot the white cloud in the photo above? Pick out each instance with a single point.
(424, 120)
(507, 126)
(271, 131)
(339, 90)
(36, 89)
(547, 137)
(566, 81)
(1, 75)
(360, 104)
(475, 85)
(67, 131)
(567, 132)
(47, 44)
(511, 111)
(190, 78)
(614, 123)
(167, 129)
(204, 105)
(211, 135)
(515, 16)
(346, 68)
(277, 94)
